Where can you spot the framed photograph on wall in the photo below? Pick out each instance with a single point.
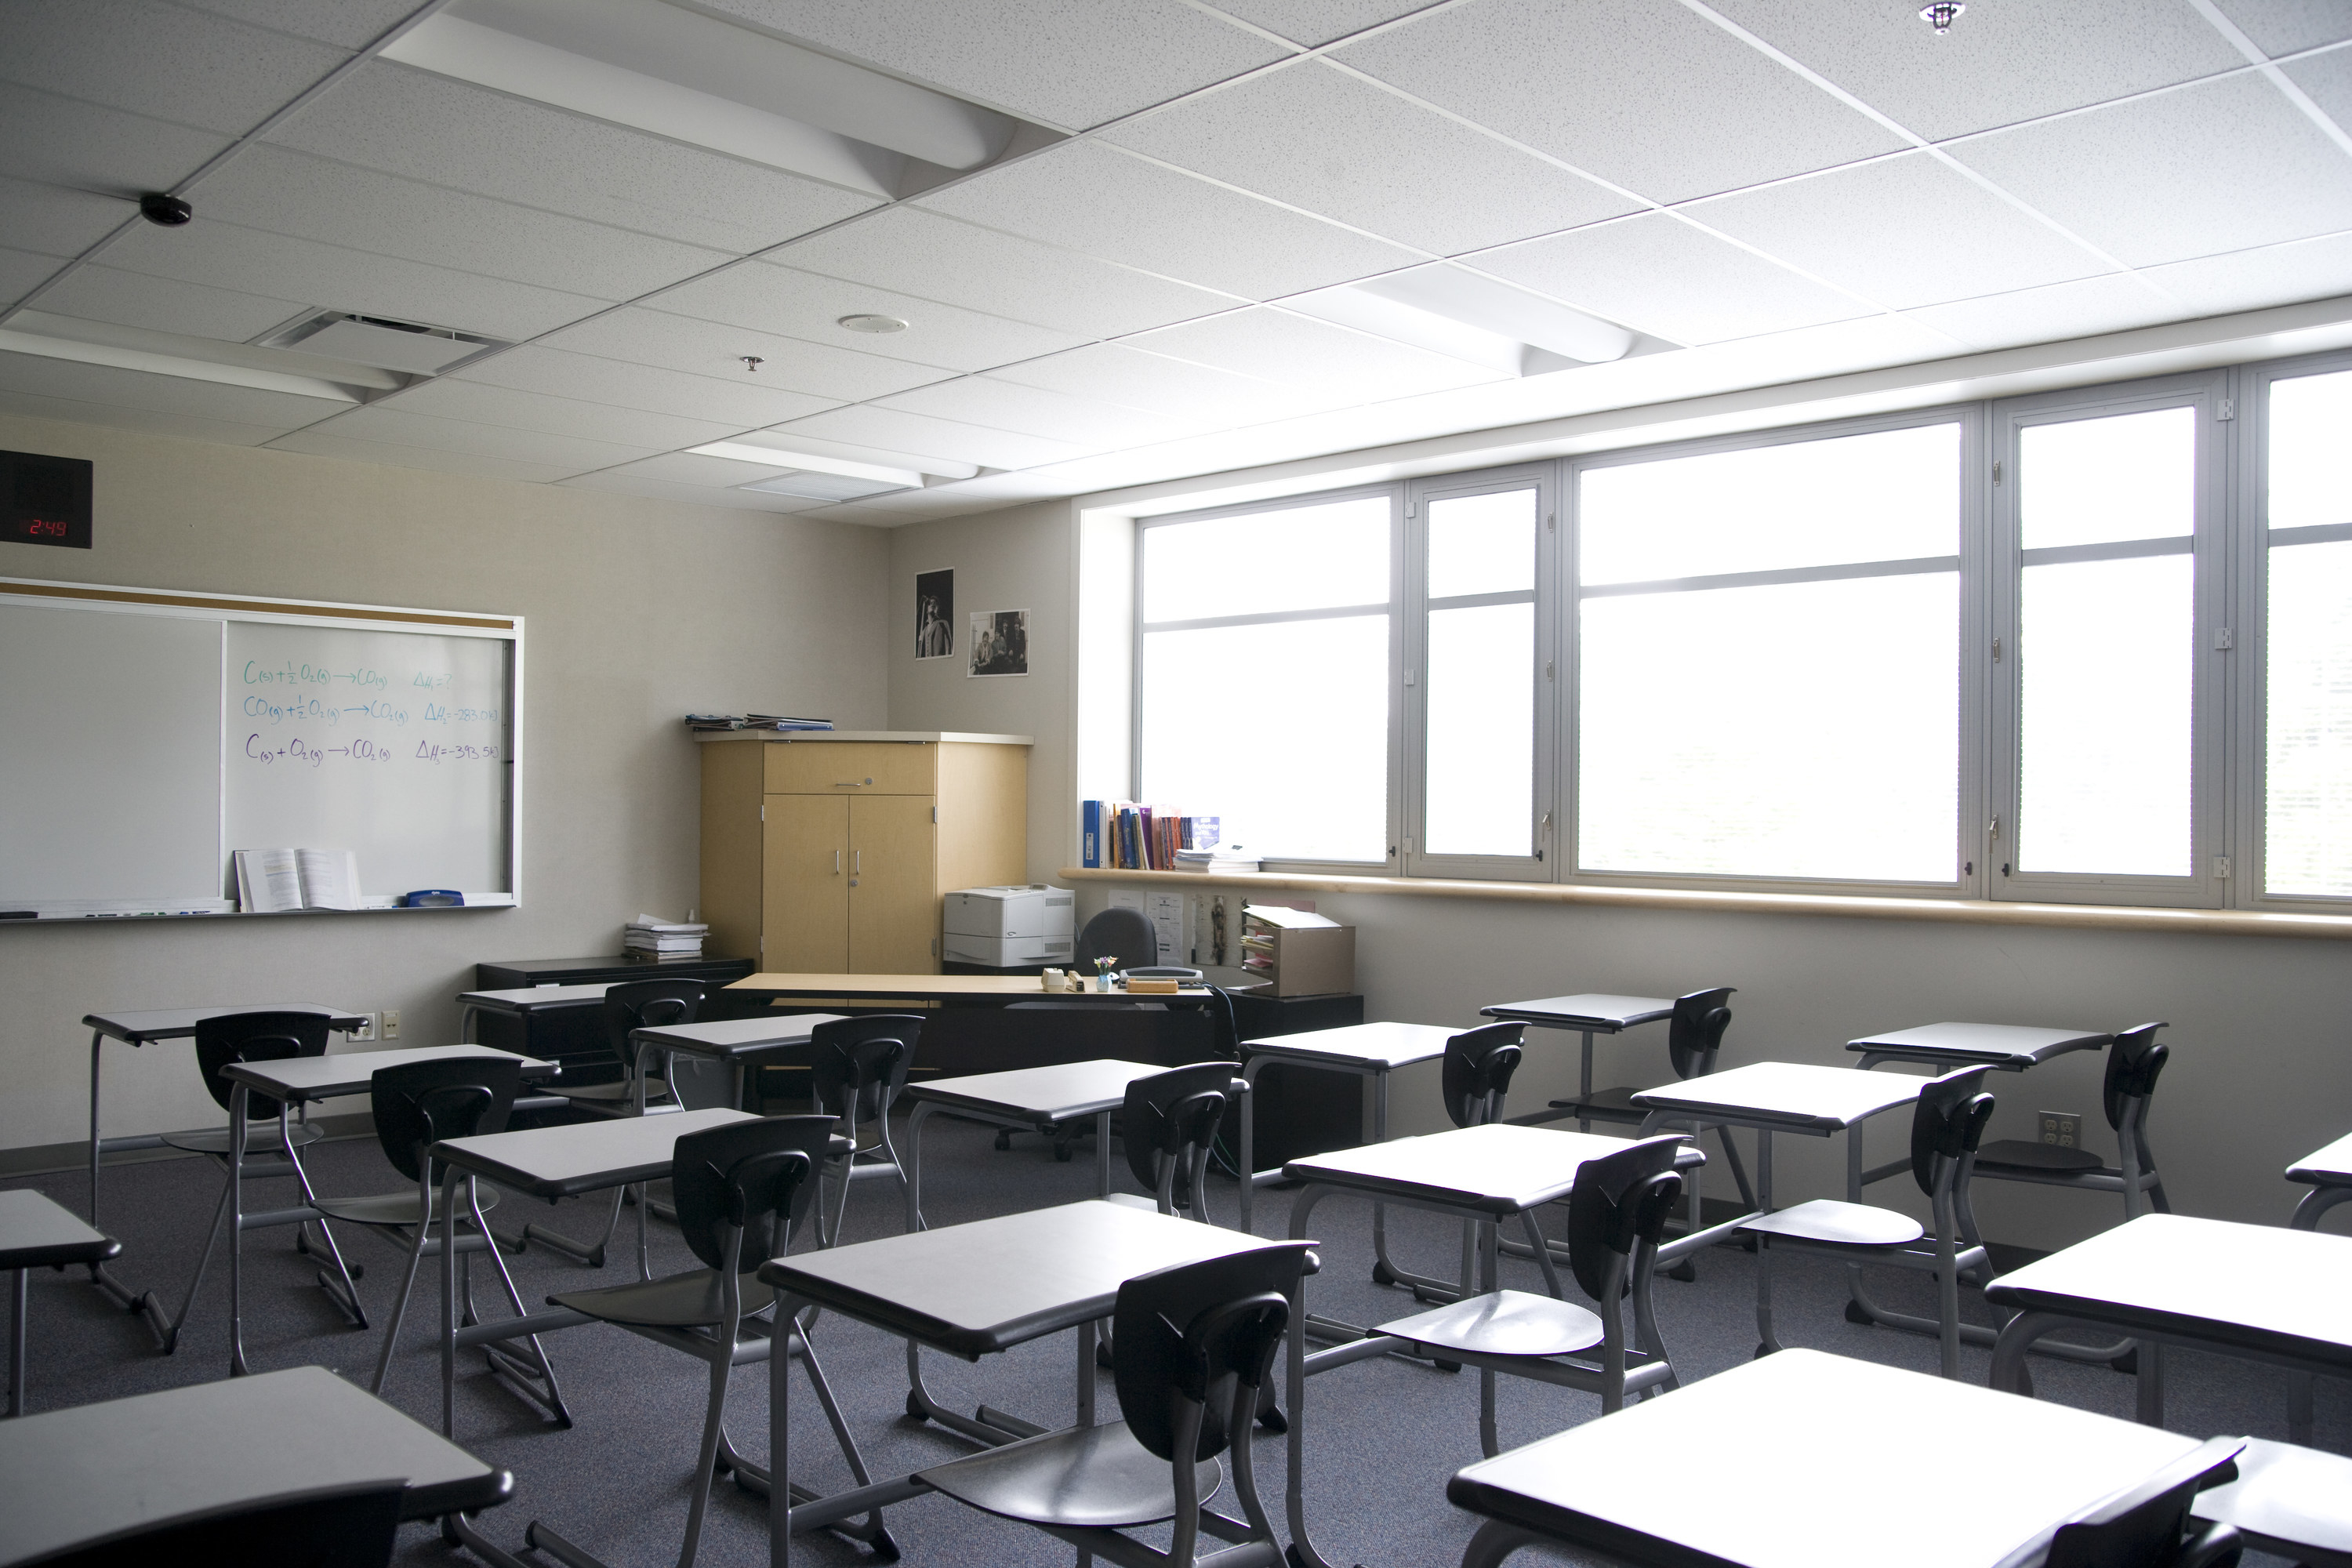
(1000, 642)
(935, 615)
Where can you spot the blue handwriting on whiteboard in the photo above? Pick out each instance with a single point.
(293, 674)
(297, 750)
(427, 751)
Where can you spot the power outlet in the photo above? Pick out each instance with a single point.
(391, 1024)
(2059, 1128)
(366, 1031)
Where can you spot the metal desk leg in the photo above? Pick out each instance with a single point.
(915, 1119)
(780, 1463)
(1766, 1340)
(143, 1303)
(239, 1104)
(1384, 1272)
(19, 1302)
(1250, 1070)
(1302, 1545)
(1584, 1085)
(2151, 1383)
(1102, 1159)
(449, 1302)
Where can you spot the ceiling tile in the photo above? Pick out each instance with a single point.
(920, 435)
(2000, 64)
(1662, 277)
(934, 258)
(451, 133)
(155, 422)
(21, 272)
(1313, 22)
(2082, 308)
(437, 459)
(629, 482)
(569, 453)
(704, 473)
(1215, 399)
(157, 60)
(1641, 93)
(2252, 280)
(1907, 230)
(808, 305)
(332, 278)
(103, 384)
(1068, 63)
(1324, 361)
(81, 147)
(294, 193)
(56, 221)
(1090, 198)
(2168, 177)
(98, 293)
(1008, 406)
(1318, 138)
(736, 403)
(2282, 26)
(485, 404)
(705, 348)
(2327, 79)
(347, 24)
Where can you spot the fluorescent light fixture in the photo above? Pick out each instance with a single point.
(1350, 306)
(1475, 300)
(822, 487)
(824, 457)
(119, 357)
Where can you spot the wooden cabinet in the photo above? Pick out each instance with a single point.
(829, 854)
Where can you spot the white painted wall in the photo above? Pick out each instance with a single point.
(636, 612)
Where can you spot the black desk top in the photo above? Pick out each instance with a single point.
(1058, 1093)
(2011, 1046)
(976, 1289)
(2259, 1289)
(1379, 1047)
(1791, 1096)
(609, 967)
(76, 1476)
(301, 1079)
(1499, 1169)
(562, 1162)
(2329, 1167)
(1596, 1013)
(35, 1229)
(2296, 1502)
(725, 1039)
(180, 1023)
(1802, 1486)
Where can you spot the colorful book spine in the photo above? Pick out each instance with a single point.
(1090, 815)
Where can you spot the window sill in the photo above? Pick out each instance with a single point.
(1962, 911)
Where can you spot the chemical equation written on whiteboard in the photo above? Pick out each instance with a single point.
(290, 702)
(315, 753)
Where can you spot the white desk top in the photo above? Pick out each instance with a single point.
(1597, 1012)
(1379, 1046)
(560, 1162)
(1054, 1093)
(527, 998)
(1500, 1168)
(2329, 1167)
(180, 1023)
(2010, 1045)
(300, 1078)
(1795, 1096)
(729, 1038)
(2294, 1502)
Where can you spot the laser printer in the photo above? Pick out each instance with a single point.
(1008, 927)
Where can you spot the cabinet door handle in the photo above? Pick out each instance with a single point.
(857, 861)
(836, 862)
(851, 784)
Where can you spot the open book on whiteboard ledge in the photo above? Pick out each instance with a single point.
(269, 881)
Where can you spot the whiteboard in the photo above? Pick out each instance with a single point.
(164, 731)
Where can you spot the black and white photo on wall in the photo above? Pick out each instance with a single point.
(934, 613)
(1000, 642)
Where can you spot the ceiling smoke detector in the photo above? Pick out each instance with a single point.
(872, 323)
(1942, 15)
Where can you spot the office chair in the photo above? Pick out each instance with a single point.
(628, 1007)
(1125, 936)
(858, 1067)
(1945, 1128)
(1616, 1213)
(1193, 1345)
(742, 1190)
(272, 1144)
(2135, 1061)
(351, 1526)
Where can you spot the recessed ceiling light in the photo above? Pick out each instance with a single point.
(873, 323)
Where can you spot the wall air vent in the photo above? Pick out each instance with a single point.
(387, 345)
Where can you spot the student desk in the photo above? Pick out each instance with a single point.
(70, 1477)
(1367, 1051)
(544, 1163)
(1946, 1048)
(1963, 1478)
(523, 1004)
(36, 1230)
(2296, 1502)
(1043, 1097)
(301, 1080)
(2328, 1174)
(730, 1042)
(971, 1290)
(1587, 1014)
(139, 1030)
(2263, 1292)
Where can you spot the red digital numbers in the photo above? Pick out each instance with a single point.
(45, 528)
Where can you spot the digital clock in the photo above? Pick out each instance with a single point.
(46, 499)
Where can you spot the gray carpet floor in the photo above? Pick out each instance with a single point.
(1383, 1436)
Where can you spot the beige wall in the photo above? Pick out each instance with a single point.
(636, 612)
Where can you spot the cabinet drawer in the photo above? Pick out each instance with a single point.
(851, 768)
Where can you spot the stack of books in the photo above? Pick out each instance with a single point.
(1123, 835)
(657, 941)
(753, 721)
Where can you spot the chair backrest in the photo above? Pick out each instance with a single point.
(856, 1063)
(2134, 1062)
(1478, 1072)
(1695, 1033)
(2149, 1526)
(1199, 1333)
(647, 1005)
(351, 1526)
(1125, 936)
(1168, 1123)
(1620, 1200)
(1948, 1122)
(418, 1104)
(744, 1173)
(255, 1038)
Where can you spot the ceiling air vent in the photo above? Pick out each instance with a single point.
(387, 345)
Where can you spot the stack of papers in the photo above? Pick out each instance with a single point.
(753, 721)
(650, 936)
(1219, 861)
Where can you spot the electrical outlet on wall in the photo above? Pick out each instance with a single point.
(366, 1031)
(391, 1024)
(2059, 1128)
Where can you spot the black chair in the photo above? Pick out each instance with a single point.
(351, 1526)
(1945, 1128)
(2150, 1526)
(1473, 1080)
(742, 1190)
(632, 1005)
(1166, 1125)
(1694, 1042)
(1616, 1213)
(1193, 1345)
(2135, 1061)
(1125, 936)
(857, 1067)
(272, 1142)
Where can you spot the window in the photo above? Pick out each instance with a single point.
(2307, 667)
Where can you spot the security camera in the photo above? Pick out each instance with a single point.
(169, 211)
